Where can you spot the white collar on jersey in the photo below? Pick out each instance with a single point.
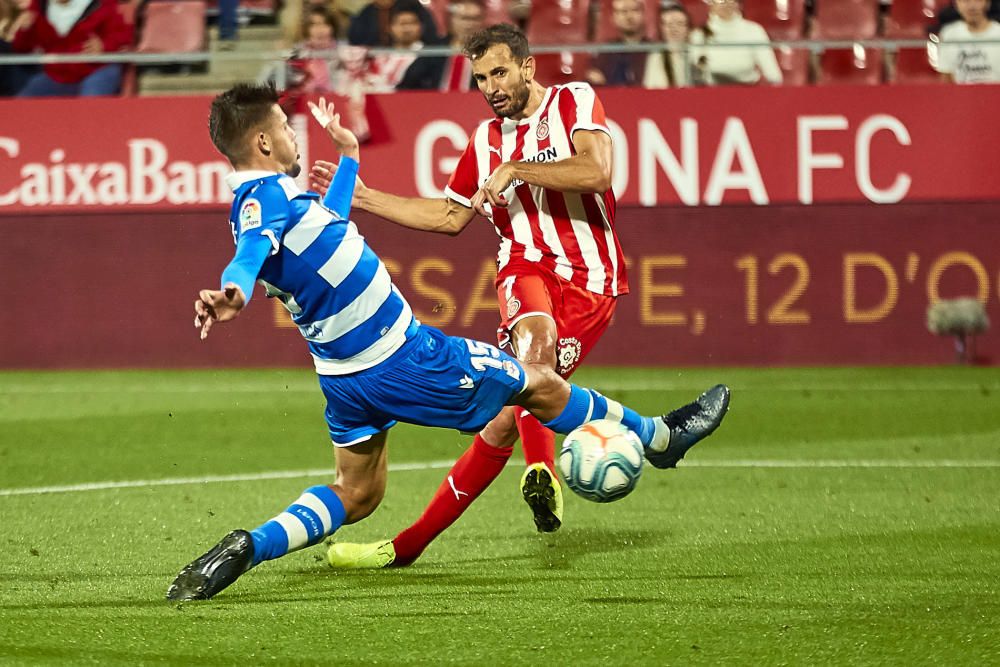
(235, 179)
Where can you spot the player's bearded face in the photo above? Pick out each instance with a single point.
(501, 81)
(510, 96)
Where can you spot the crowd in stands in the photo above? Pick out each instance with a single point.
(341, 45)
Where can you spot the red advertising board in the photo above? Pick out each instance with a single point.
(679, 147)
(827, 284)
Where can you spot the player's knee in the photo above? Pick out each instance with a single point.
(534, 341)
(501, 432)
(544, 384)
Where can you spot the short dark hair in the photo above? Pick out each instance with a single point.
(236, 112)
(405, 7)
(501, 33)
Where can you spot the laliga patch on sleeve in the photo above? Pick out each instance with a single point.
(250, 215)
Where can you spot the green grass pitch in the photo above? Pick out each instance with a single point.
(840, 516)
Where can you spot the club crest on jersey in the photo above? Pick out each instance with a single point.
(568, 354)
(513, 305)
(542, 131)
(250, 215)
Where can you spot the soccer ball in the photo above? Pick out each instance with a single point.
(601, 460)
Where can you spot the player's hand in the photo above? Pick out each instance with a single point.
(327, 116)
(321, 176)
(492, 190)
(217, 306)
(93, 45)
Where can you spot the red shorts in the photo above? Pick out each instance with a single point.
(525, 289)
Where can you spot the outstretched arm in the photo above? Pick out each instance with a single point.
(238, 280)
(431, 215)
(444, 216)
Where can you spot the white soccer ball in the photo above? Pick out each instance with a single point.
(601, 460)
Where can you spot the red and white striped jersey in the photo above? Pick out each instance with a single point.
(571, 234)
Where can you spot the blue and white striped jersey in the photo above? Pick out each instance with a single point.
(313, 259)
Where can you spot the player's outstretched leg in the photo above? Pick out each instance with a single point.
(318, 512)
(215, 569)
(666, 439)
(690, 424)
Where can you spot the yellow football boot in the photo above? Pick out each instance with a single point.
(350, 556)
(542, 492)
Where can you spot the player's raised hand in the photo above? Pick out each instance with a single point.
(327, 116)
(217, 306)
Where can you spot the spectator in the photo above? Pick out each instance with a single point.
(371, 27)
(949, 14)
(734, 64)
(465, 18)
(317, 73)
(228, 24)
(622, 69)
(12, 77)
(70, 27)
(970, 63)
(673, 67)
(404, 69)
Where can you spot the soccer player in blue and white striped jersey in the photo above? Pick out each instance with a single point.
(376, 363)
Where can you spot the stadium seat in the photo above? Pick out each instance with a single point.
(439, 10)
(910, 20)
(782, 19)
(173, 26)
(846, 19)
(497, 11)
(859, 66)
(698, 11)
(794, 64)
(559, 22)
(556, 68)
(605, 30)
(914, 66)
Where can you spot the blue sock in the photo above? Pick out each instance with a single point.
(318, 512)
(587, 405)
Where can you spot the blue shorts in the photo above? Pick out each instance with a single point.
(433, 380)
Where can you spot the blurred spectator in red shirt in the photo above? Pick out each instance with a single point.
(465, 18)
(319, 74)
(69, 27)
(372, 25)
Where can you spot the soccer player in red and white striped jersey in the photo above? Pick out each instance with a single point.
(541, 172)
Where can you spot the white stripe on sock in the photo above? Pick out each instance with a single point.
(316, 505)
(295, 529)
(615, 410)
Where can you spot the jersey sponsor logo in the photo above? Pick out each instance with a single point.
(250, 215)
(466, 383)
(542, 131)
(513, 305)
(568, 354)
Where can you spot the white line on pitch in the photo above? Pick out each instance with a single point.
(432, 465)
